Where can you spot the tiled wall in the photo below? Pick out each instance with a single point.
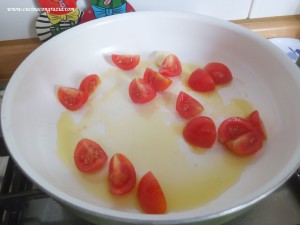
(269, 8)
(18, 25)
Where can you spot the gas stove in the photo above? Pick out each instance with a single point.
(23, 203)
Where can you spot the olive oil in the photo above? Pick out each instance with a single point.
(150, 135)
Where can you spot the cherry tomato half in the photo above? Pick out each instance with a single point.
(90, 83)
(200, 131)
(157, 80)
(121, 175)
(89, 156)
(140, 91)
(201, 81)
(246, 144)
(71, 98)
(187, 106)
(255, 119)
(233, 127)
(125, 62)
(219, 72)
(171, 66)
(150, 195)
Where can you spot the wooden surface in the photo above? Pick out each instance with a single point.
(12, 53)
(286, 26)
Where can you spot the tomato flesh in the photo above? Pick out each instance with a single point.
(201, 81)
(90, 83)
(121, 175)
(233, 127)
(157, 80)
(219, 72)
(125, 62)
(246, 144)
(140, 91)
(71, 98)
(187, 106)
(150, 195)
(255, 119)
(89, 156)
(171, 66)
(200, 131)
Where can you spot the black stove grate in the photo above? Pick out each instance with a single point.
(16, 190)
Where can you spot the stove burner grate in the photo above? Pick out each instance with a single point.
(16, 189)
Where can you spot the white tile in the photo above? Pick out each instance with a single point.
(269, 8)
(229, 9)
(19, 25)
(15, 24)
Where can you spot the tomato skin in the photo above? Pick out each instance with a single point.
(201, 81)
(187, 106)
(156, 80)
(140, 91)
(121, 175)
(200, 131)
(245, 144)
(255, 119)
(90, 83)
(171, 66)
(150, 195)
(233, 127)
(89, 156)
(125, 62)
(71, 98)
(219, 72)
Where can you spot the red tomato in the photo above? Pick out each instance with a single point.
(89, 83)
(255, 120)
(201, 81)
(233, 127)
(156, 80)
(71, 98)
(150, 195)
(200, 131)
(125, 62)
(219, 72)
(121, 175)
(187, 106)
(246, 144)
(140, 91)
(89, 156)
(171, 66)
